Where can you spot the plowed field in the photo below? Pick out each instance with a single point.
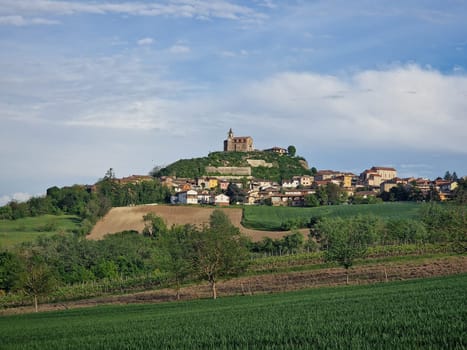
(131, 218)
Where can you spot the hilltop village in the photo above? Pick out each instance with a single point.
(236, 185)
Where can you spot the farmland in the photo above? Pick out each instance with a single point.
(131, 218)
(13, 232)
(426, 313)
(271, 218)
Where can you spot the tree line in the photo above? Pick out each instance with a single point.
(88, 202)
(178, 254)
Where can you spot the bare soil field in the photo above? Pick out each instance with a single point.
(281, 282)
(131, 218)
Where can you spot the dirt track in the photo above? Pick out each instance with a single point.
(281, 282)
(131, 218)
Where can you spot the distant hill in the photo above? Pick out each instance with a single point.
(263, 165)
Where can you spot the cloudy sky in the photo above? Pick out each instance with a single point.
(90, 85)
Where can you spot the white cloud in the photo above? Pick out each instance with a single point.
(126, 114)
(21, 21)
(179, 49)
(179, 8)
(402, 107)
(145, 41)
(18, 197)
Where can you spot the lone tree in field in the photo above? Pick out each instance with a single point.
(219, 250)
(347, 240)
(37, 281)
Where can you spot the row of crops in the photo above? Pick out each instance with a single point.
(273, 218)
(425, 314)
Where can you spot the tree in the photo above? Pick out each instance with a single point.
(10, 269)
(322, 195)
(460, 193)
(219, 250)
(291, 150)
(176, 254)
(447, 176)
(37, 280)
(311, 200)
(110, 174)
(236, 194)
(346, 240)
(153, 225)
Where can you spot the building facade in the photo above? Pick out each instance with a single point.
(238, 143)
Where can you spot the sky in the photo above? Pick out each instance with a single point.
(90, 85)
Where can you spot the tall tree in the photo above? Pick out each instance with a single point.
(176, 254)
(219, 250)
(291, 150)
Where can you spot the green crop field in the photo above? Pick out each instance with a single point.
(271, 218)
(417, 314)
(13, 232)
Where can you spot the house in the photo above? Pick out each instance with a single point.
(373, 180)
(253, 197)
(277, 150)
(187, 197)
(222, 200)
(293, 183)
(386, 186)
(289, 198)
(306, 180)
(423, 185)
(260, 184)
(345, 180)
(207, 182)
(386, 173)
(204, 197)
(224, 184)
(323, 175)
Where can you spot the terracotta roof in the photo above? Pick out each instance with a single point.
(383, 168)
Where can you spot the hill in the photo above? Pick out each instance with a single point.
(263, 165)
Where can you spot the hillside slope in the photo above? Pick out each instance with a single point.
(131, 218)
(264, 165)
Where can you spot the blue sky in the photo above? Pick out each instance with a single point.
(89, 85)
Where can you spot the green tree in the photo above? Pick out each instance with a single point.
(37, 280)
(291, 150)
(219, 250)
(346, 239)
(176, 254)
(322, 195)
(236, 194)
(294, 242)
(311, 200)
(460, 193)
(153, 225)
(10, 270)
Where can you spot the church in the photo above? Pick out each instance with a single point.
(238, 143)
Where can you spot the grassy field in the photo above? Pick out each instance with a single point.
(13, 232)
(426, 314)
(271, 218)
